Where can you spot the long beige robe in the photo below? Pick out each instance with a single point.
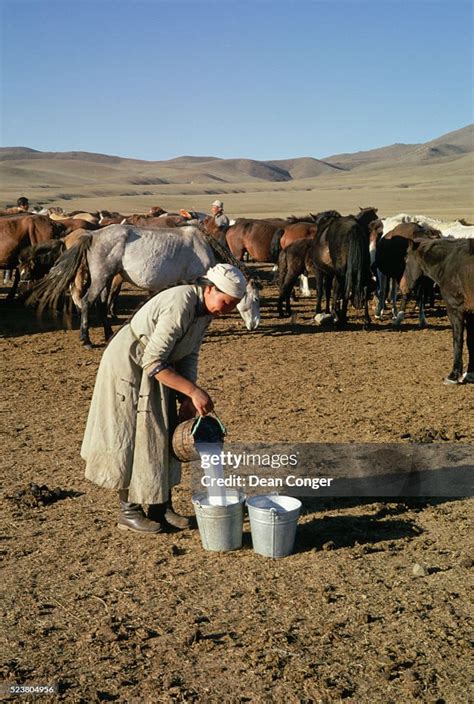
(127, 438)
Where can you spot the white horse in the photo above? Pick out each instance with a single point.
(150, 259)
(452, 229)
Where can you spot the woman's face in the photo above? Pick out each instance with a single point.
(218, 303)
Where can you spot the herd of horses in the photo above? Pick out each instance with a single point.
(351, 257)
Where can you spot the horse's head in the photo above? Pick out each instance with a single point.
(366, 215)
(249, 306)
(413, 269)
(210, 225)
(35, 261)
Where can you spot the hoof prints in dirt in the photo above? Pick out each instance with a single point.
(34, 496)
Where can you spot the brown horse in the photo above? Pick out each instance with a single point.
(295, 260)
(389, 263)
(254, 237)
(450, 263)
(298, 229)
(73, 223)
(341, 251)
(17, 232)
(148, 221)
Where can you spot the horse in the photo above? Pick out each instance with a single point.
(254, 237)
(60, 215)
(143, 258)
(17, 232)
(37, 260)
(389, 263)
(340, 250)
(168, 220)
(298, 228)
(451, 265)
(457, 229)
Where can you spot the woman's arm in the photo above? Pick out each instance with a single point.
(201, 400)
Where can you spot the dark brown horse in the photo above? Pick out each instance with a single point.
(339, 250)
(450, 263)
(390, 263)
(298, 229)
(19, 231)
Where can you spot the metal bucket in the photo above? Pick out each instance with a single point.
(273, 521)
(220, 527)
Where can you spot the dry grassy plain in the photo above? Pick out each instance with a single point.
(436, 179)
(441, 191)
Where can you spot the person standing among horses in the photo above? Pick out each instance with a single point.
(149, 365)
(220, 218)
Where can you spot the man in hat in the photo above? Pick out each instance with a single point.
(149, 365)
(217, 211)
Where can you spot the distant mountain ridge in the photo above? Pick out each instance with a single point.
(78, 167)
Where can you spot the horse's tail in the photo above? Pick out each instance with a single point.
(358, 266)
(47, 292)
(282, 268)
(275, 246)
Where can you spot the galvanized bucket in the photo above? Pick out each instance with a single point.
(273, 521)
(220, 527)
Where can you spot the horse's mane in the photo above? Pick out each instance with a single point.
(224, 253)
(292, 219)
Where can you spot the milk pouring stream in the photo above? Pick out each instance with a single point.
(215, 494)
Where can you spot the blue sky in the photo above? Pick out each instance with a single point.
(267, 79)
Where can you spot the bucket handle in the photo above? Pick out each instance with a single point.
(221, 424)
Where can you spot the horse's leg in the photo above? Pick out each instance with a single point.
(14, 288)
(398, 317)
(285, 295)
(91, 295)
(318, 274)
(456, 318)
(328, 281)
(335, 310)
(468, 377)
(367, 320)
(382, 280)
(393, 294)
(345, 303)
(421, 306)
(101, 304)
(115, 288)
(304, 286)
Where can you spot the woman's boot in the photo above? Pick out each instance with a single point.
(132, 517)
(164, 513)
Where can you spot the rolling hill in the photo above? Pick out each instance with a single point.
(433, 169)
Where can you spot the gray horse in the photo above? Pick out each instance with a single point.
(149, 259)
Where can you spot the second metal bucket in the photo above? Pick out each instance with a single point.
(220, 527)
(273, 521)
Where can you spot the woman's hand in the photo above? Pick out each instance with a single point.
(202, 401)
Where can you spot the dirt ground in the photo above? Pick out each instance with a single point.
(113, 616)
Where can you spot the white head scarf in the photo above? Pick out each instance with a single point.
(228, 279)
